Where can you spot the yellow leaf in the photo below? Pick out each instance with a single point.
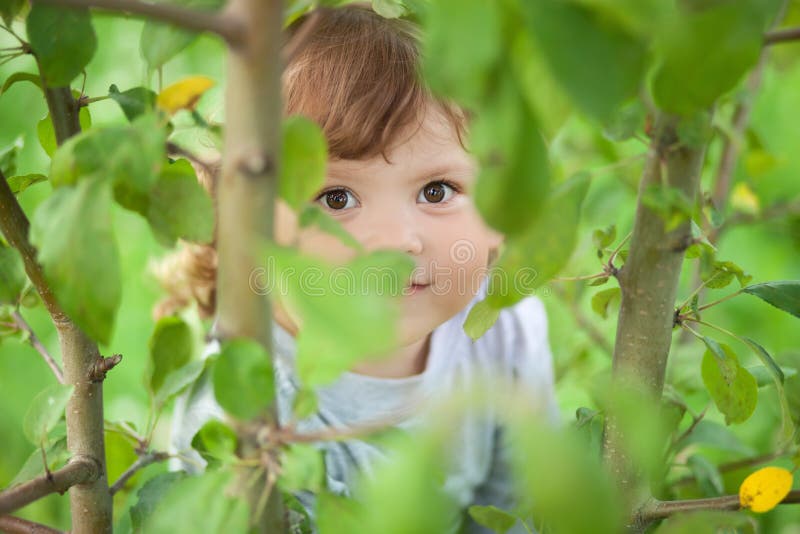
(183, 94)
(744, 199)
(764, 489)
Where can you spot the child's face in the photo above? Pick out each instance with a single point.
(419, 204)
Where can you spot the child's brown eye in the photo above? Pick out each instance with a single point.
(338, 199)
(435, 193)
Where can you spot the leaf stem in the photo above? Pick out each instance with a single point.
(141, 462)
(782, 36)
(719, 301)
(229, 28)
(22, 324)
(578, 278)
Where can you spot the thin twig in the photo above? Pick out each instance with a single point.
(782, 36)
(77, 471)
(695, 421)
(22, 324)
(662, 509)
(16, 525)
(140, 463)
(579, 278)
(719, 301)
(616, 251)
(199, 20)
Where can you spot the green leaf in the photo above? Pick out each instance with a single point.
(669, 203)
(784, 294)
(303, 160)
(21, 77)
(462, 42)
(161, 42)
(130, 156)
(778, 376)
(715, 435)
(178, 380)
(626, 122)
(595, 43)
(9, 9)
(532, 259)
(704, 53)
(179, 207)
(134, 102)
(9, 155)
(733, 389)
(150, 494)
(197, 504)
(492, 517)
(45, 411)
(244, 383)
(56, 454)
(305, 403)
(514, 176)
(171, 347)
(722, 274)
(764, 376)
(480, 319)
(73, 233)
(603, 299)
(12, 275)
(603, 238)
(18, 184)
(47, 134)
(391, 9)
(302, 468)
(769, 363)
(348, 312)
(216, 441)
(120, 455)
(63, 40)
(313, 215)
(707, 475)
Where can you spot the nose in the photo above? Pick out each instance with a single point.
(395, 230)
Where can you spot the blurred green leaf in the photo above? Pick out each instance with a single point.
(47, 135)
(733, 389)
(133, 102)
(532, 259)
(481, 317)
(18, 184)
(73, 233)
(492, 517)
(161, 42)
(179, 207)
(626, 122)
(9, 9)
(603, 299)
(216, 441)
(302, 468)
(461, 43)
(120, 455)
(150, 495)
(669, 203)
(603, 237)
(582, 66)
(704, 53)
(63, 40)
(784, 295)
(21, 77)
(303, 161)
(707, 475)
(244, 384)
(57, 455)
(391, 9)
(45, 411)
(706, 521)
(171, 347)
(12, 275)
(514, 176)
(178, 380)
(711, 434)
(722, 274)
(313, 215)
(305, 403)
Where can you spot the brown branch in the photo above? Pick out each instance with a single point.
(78, 471)
(782, 36)
(102, 366)
(16, 525)
(140, 463)
(656, 510)
(198, 20)
(22, 324)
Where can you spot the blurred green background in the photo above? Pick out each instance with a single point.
(769, 250)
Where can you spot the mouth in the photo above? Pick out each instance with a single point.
(414, 288)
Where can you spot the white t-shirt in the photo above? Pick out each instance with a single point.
(515, 350)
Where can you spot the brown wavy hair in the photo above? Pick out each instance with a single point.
(356, 74)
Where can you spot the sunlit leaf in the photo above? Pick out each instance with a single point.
(492, 517)
(171, 347)
(216, 441)
(481, 317)
(734, 390)
(603, 299)
(244, 384)
(391, 9)
(133, 102)
(303, 161)
(763, 490)
(161, 42)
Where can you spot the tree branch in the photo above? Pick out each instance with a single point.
(17, 525)
(782, 36)
(36, 344)
(656, 509)
(78, 471)
(140, 463)
(198, 20)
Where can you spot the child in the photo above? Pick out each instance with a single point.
(399, 178)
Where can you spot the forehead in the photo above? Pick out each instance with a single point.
(429, 146)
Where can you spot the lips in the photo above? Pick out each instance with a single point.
(416, 287)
